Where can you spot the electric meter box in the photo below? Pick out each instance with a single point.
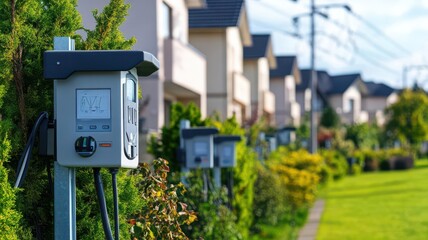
(199, 147)
(96, 101)
(225, 150)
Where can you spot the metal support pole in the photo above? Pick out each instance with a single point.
(65, 178)
(313, 81)
(404, 77)
(217, 177)
(184, 124)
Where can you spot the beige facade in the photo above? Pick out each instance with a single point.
(376, 105)
(256, 70)
(161, 28)
(228, 90)
(349, 105)
(287, 108)
(283, 84)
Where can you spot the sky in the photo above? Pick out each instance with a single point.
(378, 39)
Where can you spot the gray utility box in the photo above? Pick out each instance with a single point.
(96, 100)
(199, 147)
(225, 150)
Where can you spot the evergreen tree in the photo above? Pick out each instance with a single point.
(329, 118)
(408, 118)
(27, 28)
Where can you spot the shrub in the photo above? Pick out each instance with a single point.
(215, 219)
(244, 175)
(299, 172)
(336, 162)
(269, 198)
(162, 214)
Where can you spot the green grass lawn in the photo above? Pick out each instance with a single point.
(382, 205)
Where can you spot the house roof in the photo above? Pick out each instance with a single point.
(259, 47)
(284, 66)
(378, 89)
(323, 78)
(340, 83)
(217, 14)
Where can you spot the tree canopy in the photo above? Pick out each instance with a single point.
(408, 118)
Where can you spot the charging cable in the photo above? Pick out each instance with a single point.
(24, 161)
(113, 172)
(102, 202)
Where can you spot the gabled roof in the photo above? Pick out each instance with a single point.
(323, 83)
(217, 14)
(259, 47)
(305, 83)
(378, 89)
(340, 83)
(284, 66)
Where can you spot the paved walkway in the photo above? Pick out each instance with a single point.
(309, 231)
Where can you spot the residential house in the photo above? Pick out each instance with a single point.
(379, 96)
(161, 28)
(220, 31)
(304, 93)
(258, 60)
(283, 82)
(344, 94)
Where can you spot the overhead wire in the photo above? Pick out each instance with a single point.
(362, 36)
(380, 32)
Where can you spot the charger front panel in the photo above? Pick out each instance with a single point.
(92, 112)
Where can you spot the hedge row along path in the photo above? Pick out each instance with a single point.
(381, 205)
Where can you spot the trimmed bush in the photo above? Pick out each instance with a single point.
(269, 198)
(336, 162)
(300, 173)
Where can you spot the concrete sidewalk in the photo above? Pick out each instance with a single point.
(309, 231)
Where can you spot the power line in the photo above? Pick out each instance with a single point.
(350, 31)
(377, 30)
(363, 37)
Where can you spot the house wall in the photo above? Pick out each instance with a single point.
(278, 88)
(213, 45)
(375, 107)
(257, 72)
(392, 98)
(341, 103)
(235, 66)
(303, 98)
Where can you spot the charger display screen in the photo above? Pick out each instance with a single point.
(93, 110)
(93, 103)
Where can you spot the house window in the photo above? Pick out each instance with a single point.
(351, 105)
(166, 29)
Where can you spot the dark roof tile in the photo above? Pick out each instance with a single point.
(379, 89)
(284, 66)
(217, 14)
(340, 83)
(259, 47)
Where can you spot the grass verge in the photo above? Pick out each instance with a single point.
(382, 205)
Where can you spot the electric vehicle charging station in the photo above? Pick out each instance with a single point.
(97, 105)
(225, 150)
(95, 112)
(198, 147)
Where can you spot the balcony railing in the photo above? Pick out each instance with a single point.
(241, 89)
(268, 102)
(184, 66)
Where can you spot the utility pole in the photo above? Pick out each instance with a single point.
(313, 81)
(406, 69)
(313, 146)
